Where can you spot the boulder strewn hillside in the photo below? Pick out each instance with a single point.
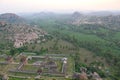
(19, 33)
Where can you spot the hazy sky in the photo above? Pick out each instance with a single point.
(57, 5)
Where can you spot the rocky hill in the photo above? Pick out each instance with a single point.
(11, 18)
(109, 21)
(19, 33)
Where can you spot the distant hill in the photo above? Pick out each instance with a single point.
(76, 14)
(109, 20)
(103, 13)
(11, 18)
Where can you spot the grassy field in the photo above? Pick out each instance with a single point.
(88, 57)
(53, 46)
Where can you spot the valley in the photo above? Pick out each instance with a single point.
(90, 45)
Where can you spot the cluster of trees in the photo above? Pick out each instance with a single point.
(12, 51)
(102, 46)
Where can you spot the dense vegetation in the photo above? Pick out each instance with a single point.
(100, 39)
